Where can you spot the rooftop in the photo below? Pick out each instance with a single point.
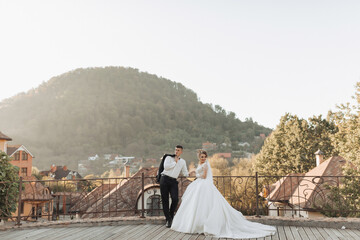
(4, 137)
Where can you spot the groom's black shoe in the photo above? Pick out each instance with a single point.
(168, 223)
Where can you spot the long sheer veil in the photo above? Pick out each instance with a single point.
(209, 176)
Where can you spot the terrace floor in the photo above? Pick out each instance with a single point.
(157, 232)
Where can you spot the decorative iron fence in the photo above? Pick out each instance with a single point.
(293, 195)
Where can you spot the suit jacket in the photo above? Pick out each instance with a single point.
(161, 167)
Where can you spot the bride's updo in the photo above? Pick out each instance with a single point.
(200, 151)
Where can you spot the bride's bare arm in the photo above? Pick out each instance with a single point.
(205, 172)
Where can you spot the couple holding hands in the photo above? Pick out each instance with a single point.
(203, 209)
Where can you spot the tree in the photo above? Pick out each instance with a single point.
(9, 186)
(291, 146)
(346, 197)
(347, 139)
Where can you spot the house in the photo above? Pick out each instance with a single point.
(297, 195)
(244, 144)
(109, 161)
(36, 200)
(93, 158)
(280, 193)
(208, 146)
(60, 172)
(65, 193)
(19, 155)
(3, 142)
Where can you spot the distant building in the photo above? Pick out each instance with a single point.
(60, 172)
(226, 144)
(244, 144)
(37, 201)
(3, 142)
(208, 146)
(112, 161)
(93, 158)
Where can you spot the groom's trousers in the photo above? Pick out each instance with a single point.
(169, 185)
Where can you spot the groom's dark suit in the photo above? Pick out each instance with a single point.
(169, 185)
(161, 167)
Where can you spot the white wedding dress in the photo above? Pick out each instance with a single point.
(204, 210)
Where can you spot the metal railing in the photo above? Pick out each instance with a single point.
(139, 195)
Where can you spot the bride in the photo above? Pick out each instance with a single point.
(204, 210)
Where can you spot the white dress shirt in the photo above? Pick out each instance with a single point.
(173, 168)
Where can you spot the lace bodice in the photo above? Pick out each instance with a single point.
(200, 170)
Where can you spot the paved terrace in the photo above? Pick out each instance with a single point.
(153, 228)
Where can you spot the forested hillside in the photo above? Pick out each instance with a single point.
(116, 110)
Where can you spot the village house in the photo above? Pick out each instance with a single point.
(36, 199)
(297, 194)
(244, 144)
(66, 191)
(208, 146)
(60, 172)
(18, 154)
(20, 157)
(3, 142)
(109, 161)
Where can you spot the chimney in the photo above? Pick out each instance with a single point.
(65, 168)
(319, 157)
(127, 171)
(52, 168)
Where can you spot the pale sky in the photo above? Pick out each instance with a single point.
(259, 59)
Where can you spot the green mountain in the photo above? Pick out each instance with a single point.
(116, 110)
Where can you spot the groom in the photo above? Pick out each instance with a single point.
(169, 184)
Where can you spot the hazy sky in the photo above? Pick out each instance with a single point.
(259, 59)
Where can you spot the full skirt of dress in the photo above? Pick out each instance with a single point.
(204, 210)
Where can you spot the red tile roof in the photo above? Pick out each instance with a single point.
(282, 190)
(124, 196)
(305, 190)
(34, 190)
(312, 187)
(88, 199)
(12, 148)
